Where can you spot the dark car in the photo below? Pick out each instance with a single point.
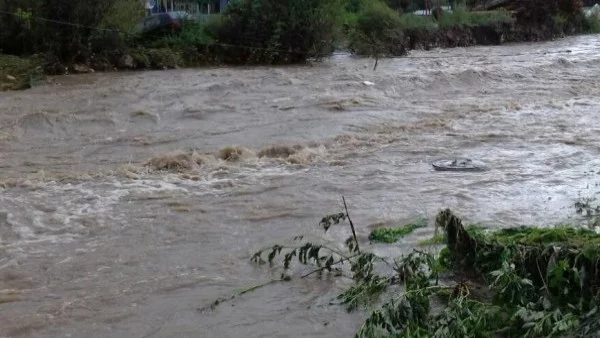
(162, 21)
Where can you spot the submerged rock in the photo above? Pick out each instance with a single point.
(126, 61)
(81, 69)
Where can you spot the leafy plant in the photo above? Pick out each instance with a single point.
(511, 288)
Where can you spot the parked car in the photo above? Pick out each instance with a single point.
(162, 21)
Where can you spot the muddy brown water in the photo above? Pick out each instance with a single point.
(97, 241)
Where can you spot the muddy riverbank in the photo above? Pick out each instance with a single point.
(131, 199)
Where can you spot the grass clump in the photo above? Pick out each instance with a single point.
(393, 234)
(436, 239)
(560, 234)
(413, 21)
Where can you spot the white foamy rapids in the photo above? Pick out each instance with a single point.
(54, 213)
(62, 213)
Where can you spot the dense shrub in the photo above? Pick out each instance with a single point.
(592, 23)
(71, 29)
(541, 12)
(378, 31)
(279, 31)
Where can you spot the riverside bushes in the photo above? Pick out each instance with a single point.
(279, 31)
(378, 31)
(38, 26)
(99, 34)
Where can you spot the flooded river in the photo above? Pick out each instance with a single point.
(130, 200)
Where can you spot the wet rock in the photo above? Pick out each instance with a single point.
(458, 164)
(488, 34)
(100, 63)
(7, 231)
(126, 61)
(55, 69)
(81, 69)
(24, 86)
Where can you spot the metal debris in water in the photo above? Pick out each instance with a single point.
(458, 164)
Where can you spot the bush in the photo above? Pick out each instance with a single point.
(378, 32)
(592, 23)
(559, 22)
(279, 31)
(77, 27)
(192, 33)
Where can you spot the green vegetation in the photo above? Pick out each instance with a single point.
(75, 34)
(391, 235)
(593, 23)
(461, 16)
(516, 282)
(413, 21)
(279, 31)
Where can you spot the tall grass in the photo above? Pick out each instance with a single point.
(410, 21)
(461, 16)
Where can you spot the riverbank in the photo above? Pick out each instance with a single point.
(20, 73)
(242, 35)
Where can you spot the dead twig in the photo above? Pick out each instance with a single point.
(351, 225)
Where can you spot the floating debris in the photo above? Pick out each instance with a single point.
(458, 164)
